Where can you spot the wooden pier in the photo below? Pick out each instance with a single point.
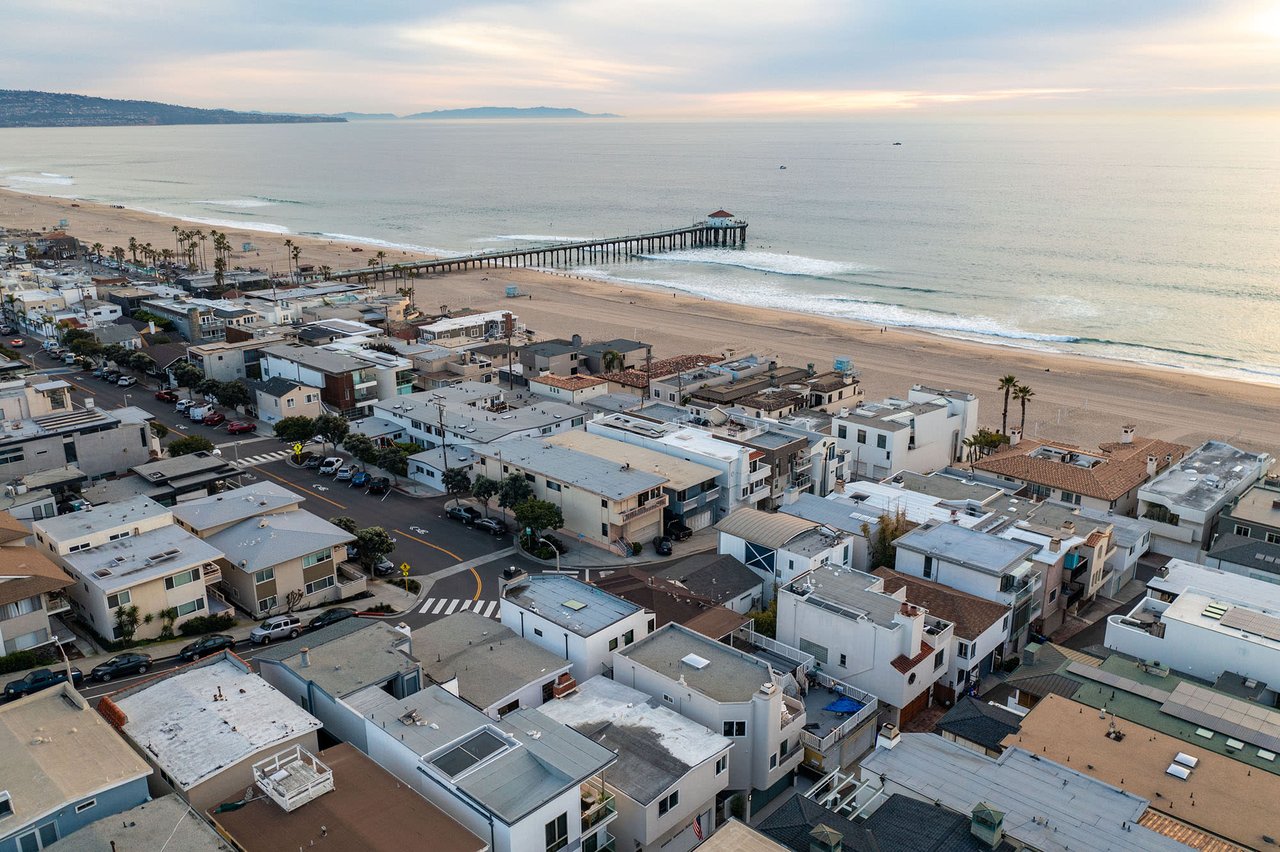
(714, 232)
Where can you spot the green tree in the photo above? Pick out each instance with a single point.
(232, 394)
(485, 489)
(361, 446)
(1023, 395)
(766, 620)
(296, 429)
(514, 490)
(611, 360)
(141, 362)
(332, 428)
(394, 459)
(126, 618)
(187, 375)
(189, 444)
(342, 522)
(538, 515)
(457, 482)
(159, 429)
(374, 544)
(1007, 384)
(888, 529)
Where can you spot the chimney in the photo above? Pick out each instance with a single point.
(987, 825)
(790, 495)
(1126, 434)
(825, 839)
(888, 737)
(1151, 465)
(1015, 436)
(306, 657)
(1055, 544)
(839, 486)
(151, 326)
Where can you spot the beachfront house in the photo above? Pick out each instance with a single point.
(922, 433)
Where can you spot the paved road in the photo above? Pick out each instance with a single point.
(93, 691)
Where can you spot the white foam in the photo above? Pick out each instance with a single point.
(262, 227)
(245, 203)
(762, 261)
(530, 238)
(370, 241)
(44, 179)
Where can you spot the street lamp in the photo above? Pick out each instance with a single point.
(553, 547)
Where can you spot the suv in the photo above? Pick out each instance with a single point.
(678, 531)
(276, 627)
(206, 646)
(379, 485)
(330, 465)
(38, 680)
(493, 526)
(121, 664)
(466, 514)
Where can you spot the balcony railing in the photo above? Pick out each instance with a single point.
(56, 602)
(598, 807)
(870, 706)
(631, 514)
(212, 574)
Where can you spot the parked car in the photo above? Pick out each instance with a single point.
(313, 462)
(379, 485)
(111, 377)
(330, 465)
(98, 371)
(7, 329)
(385, 567)
(183, 404)
(678, 531)
(346, 472)
(40, 679)
(276, 627)
(215, 418)
(466, 514)
(211, 644)
(493, 526)
(240, 427)
(119, 665)
(330, 616)
(126, 381)
(162, 395)
(69, 357)
(360, 479)
(662, 545)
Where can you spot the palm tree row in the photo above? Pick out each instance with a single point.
(1020, 393)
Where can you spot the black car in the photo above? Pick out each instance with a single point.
(40, 679)
(379, 485)
(313, 461)
(662, 545)
(119, 665)
(466, 514)
(385, 568)
(330, 616)
(678, 531)
(493, 526)
(204, 647)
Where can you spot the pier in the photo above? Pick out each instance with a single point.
(719, 229)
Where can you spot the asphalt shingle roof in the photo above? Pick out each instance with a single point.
(977, 721)
(971, 614)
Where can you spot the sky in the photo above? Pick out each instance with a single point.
(659, 58)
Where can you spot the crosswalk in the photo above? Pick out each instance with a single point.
(265, 458)
(448, 606)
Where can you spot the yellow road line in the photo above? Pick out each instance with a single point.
(296, 488)
(428, 544)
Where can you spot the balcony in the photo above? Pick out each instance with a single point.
(292, 778)
(760, 474)
(598, 807)
(824, 729)
(212, 574)
(56, 602)
(628, 515)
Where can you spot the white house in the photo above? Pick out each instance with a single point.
(572, 390)
(922, 433)
(781, 547)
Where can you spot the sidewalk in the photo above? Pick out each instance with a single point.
(585, 555)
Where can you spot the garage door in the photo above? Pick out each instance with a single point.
(698, 521)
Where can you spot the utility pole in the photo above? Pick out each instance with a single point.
(444, 438)
(511, 330)
(648, 372)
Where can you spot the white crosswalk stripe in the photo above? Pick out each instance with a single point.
(264, 458)
(448, 606)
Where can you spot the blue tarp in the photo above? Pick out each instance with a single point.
(844, 704)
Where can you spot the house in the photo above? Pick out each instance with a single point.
(922, 433)
(669, 772)
(32, 591)
(199, 320)
(572, 390)
(232, 361)
(1105, 480)
(489, 666)
(1183, 503)
(350, 379)
(336, 798)
(1250, 557)
(202, 727)
(626, 354)
(477, 326)
(64, 768)
(277, 398)
(782, 457)
(1130, 539)
(573, 620)
(669, 601)
(1255, 513)
(726, 690)
(523, 782)
(118, 334)
(981, 564)
(147, 826)
(779, 548)
(167, 480)
(691, 489)
(719, 578)
(978, 725)
(735, 836)
(132, 554)
(980, 633)
(557, 356)
(605, 504)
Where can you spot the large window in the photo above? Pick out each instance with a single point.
(320, 585)
(317, 557)
(119, 599)
(722, 764)
(181, 579)
(265, 575)
(882, 441)
(735, 729)
(266, 604)
(18, 608)
(668, 802)
(558, 833)
(190, 607)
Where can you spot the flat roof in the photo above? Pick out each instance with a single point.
(1260, 504)
(656, 746)
(1207, 476)
(881, 499)
(151, 825)
(257, 543)
(228, 714)
(235, 505)
(141, 558)
(834, 511)
(680, 474)
(1220, 794)
(849, 593)
(56, 749)
(988, 553)
(730, 677)
(593, 609)
(489, 661)
(354, 815)
(347, 656)
(72, 525)
(1178, 576)
(590, 473)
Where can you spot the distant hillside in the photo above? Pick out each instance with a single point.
(47, 109)
(366, 116)
(511, 112)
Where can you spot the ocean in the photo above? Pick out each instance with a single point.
(1150, 240)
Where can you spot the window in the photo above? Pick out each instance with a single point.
(842, 431)
(553, 486)
(668, 698)
(1053, 595)
(939, 658)
(1273, 538)
(783, 749)
(843, 662)
(1069, 497)
(267, 603)
(290, 402)
(119, 535)
(962, 650)
(735, 729)
(320, 585)
(119, 599)
(264, 576)
(773, 761)
(1243, 530)
(668, 802)
(11, 456)
(181, 579)
(76, 548)
(652, 622)
(928, 567)
(6, 805)
(722, 764)
(558, 833)
(317, 557)
(190, 607)
(628, 637)
(604, 504)
(34, 841)
(529, 477)
(1006, 622)
(613, 644)
(537, 631)
(84, 806)
(882, 441)
(862, 436)
(604, 528)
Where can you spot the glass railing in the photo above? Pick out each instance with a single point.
(603, 808)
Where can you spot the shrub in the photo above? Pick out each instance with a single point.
(636, 548)
(202, 624)
(20, 661)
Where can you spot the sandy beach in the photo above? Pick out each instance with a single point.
(1077, 399)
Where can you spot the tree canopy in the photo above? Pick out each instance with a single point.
(539, 515)
(189, 444)
(513, 491)
(300, 429)
(457, 482)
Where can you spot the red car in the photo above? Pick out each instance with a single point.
(215, 418)
(166, 396)
(17, 343)
(239, 427)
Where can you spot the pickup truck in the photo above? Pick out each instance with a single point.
(40, 679)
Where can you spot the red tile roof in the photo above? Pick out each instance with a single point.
(569, 383)
(1123, 466)
(637, 377)
(905, 664)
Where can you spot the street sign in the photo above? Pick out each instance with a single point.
(297, 449)
(404, 569)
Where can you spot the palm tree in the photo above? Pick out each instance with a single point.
(288, 255)
(118, 253)
(382, 262)
(177, 240)
(296, 252)
(1007, 384)
(96, 248)
(133, 249)
(1022, 393)
(12, 252)
(611, 360)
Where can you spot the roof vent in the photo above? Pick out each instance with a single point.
(696, 662)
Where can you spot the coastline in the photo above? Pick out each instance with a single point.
(1078, 398)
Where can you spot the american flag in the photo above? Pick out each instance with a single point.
(697, 827)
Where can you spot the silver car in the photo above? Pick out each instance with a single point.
(276, 627)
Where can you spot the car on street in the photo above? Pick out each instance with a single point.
(126, 381)
(98, 371)
(7, 329)
(215, 418)
(276, 627)
(183, 404)
(330, 465)
(346, 472)
(678, 531)
(211, 644)
(111, 377)
(493, 526)
(379, 485)
(360, 479)
(313, 462)
(240, 427)
(662, 545)
(330, 616)
(166, 396)
(17, 343)
(40, 679)
(120, 665)
(385, 567)
(466, 514)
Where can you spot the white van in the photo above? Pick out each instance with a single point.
(196, 413)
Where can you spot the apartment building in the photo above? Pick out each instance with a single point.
(1254, 514)
(472, 326)
(199, 320)
(922, 433)
(31, 594)
(132, 554)
(626, 354)
(350, 379)
(779, 547)
(227, 361)
(603, 503)
(670, 770)
(571, 390)
(573, 620)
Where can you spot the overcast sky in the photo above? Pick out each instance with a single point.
(653, 57)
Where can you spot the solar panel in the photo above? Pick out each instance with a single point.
(1252, 621)
(1242, 721)
(1178, 771)
(462, 757)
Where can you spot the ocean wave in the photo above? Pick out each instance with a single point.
(238, 224)
(527, 238)
(763, 261)
(270, 200)
(246, 203)
(44, 179)
(370, 241)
